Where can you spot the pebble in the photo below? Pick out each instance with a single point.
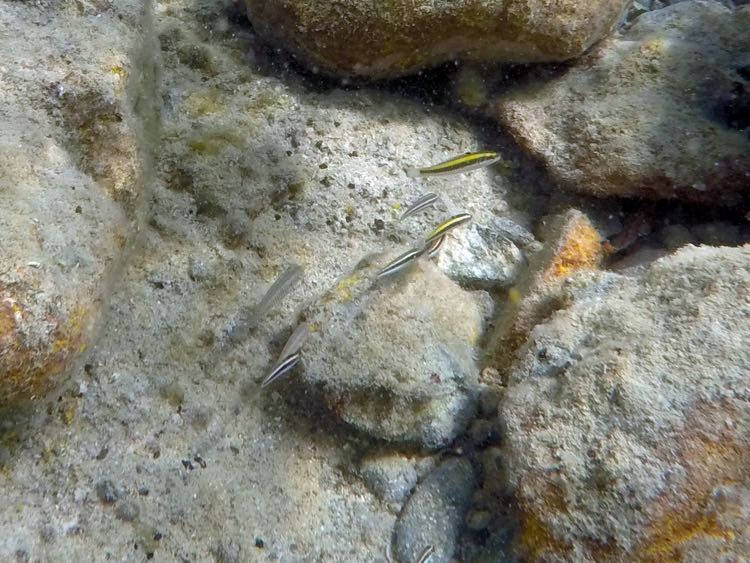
(435, 512)
(107, 491)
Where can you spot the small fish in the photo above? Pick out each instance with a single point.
(464, 163)
(295, 342)
(401, 262)
(278, 289)
(446, 226)
(433, 248)
(281, 368)
(249, 317)
(423, 202)
(426, 554)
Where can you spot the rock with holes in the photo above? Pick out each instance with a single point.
(627, 417)
(395, 357)
(397, 38)
(70, 181)
(658, 111)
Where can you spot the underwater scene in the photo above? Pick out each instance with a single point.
(397, 281)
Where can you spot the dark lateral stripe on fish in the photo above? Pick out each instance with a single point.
(295, 341)
(463, 163)
(447, 225)
(281, 369)
(434, 247)
(419, 204)
(426, 554)
(401, 262)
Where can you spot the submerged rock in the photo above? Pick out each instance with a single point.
(435, 513)
(359, 38)
(636, 446)
(71, 179)
(651, 113)
(395, 358)
(391, 477)
(572, 245)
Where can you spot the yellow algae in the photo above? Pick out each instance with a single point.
(514, 295)
(343, 289)
(204, 103)
(68, 414)
(581, 249)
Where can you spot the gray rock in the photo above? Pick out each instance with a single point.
(375, 362)
(480, 256)
(434, 514)
(391, 477)
(107, 491)
(660, 117)
(628, 415)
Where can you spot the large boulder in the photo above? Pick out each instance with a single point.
(395, 357)
(656, 112)
(71, 179)
(627, 417)
(380, 40)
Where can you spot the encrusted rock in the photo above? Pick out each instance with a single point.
(374, 355)
(627, 418)
(71, 177)
(359, 38)
(572, 245)
(656, 112)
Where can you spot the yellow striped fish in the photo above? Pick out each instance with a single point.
(446, 226)
(464, 163)
(401, 262)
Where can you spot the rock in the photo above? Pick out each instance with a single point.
(636, 446)
(391, 477)
(372, 356)
(718, 233)
(71, 180)
(572, 245)
(107, 491)
(676, 236)
(403, 37)
(434, 514)
(661, 117)
(480, 256)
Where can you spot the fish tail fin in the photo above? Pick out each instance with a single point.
(412, 172)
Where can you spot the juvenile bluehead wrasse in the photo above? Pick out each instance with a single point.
(426, 554)
(281, 368)
(434, 247)
(401, 262)
(423, 202)
(446, 226)
(295, 342)
(463, 163)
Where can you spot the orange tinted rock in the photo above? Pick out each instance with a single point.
(401, 37)
(71, 184)
(627, 417)
(572, 244)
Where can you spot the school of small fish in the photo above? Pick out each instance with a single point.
(290, 354)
